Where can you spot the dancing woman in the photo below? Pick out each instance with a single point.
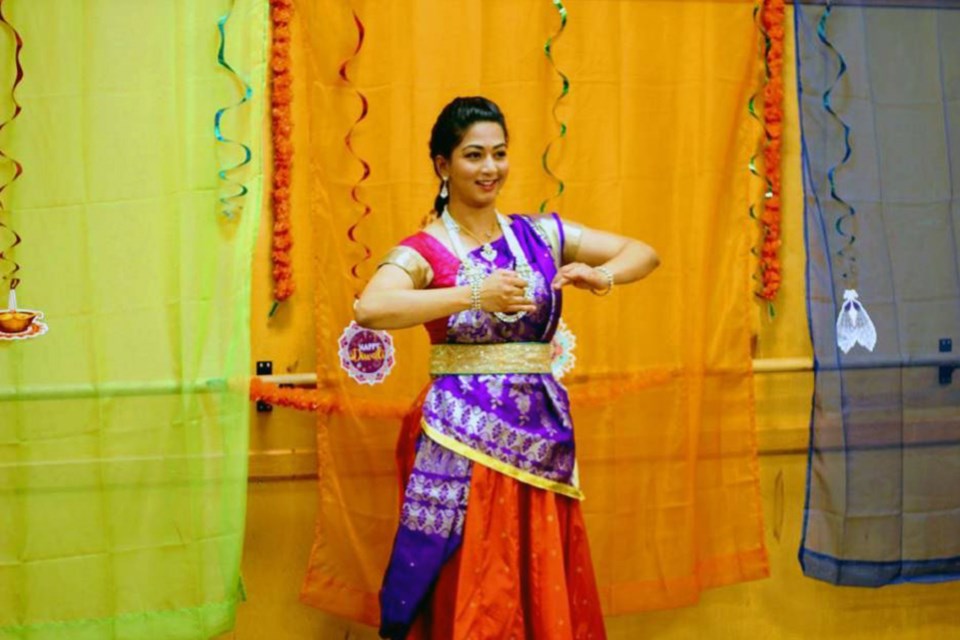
(491, 542)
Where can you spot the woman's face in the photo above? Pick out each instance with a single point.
(477, 167)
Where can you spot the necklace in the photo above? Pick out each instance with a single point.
(487, 250)
(475, 272)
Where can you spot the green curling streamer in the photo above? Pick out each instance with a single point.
(548, 49)
(845, 254)
(231, 208)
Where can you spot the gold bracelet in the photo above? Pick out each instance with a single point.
(609, 276)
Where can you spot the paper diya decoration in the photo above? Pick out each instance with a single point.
(20, 324)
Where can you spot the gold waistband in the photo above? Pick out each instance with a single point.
(509, 357)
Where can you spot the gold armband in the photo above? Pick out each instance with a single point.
(412, 262)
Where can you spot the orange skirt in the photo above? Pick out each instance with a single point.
(523, 570)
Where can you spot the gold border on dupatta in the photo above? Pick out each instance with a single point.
(498, 465)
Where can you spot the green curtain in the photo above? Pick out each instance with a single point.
(123, 431)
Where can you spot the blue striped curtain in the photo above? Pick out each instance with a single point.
(880, 109)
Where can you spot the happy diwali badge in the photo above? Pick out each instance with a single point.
(366, 355)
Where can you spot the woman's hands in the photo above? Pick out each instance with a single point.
(390, 301)
(503, 291)
(582, 276)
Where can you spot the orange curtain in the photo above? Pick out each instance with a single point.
(657, 148)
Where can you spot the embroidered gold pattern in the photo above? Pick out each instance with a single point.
(486, 433)
(509, 357)
(435, 499)
(432, 520)
(434, 459)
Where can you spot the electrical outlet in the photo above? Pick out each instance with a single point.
(946, 375)
(264, 368)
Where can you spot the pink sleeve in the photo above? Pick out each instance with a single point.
(442, 261)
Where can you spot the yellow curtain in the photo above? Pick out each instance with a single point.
(658, 145)
(123, 430)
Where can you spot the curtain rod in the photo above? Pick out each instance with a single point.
(113, 389)
(217, 385)
(760, 366)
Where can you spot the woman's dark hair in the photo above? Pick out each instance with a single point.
(452, 125)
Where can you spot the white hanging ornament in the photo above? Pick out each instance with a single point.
(854, 325)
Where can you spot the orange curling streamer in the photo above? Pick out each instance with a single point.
(17, 167)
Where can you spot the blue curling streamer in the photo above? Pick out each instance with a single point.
(230, 208)
(843, 253)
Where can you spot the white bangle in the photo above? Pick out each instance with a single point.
(609, 276)
(475, 283)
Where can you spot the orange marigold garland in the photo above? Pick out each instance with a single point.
(323, 401)
(281, 99)
(772, 18)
